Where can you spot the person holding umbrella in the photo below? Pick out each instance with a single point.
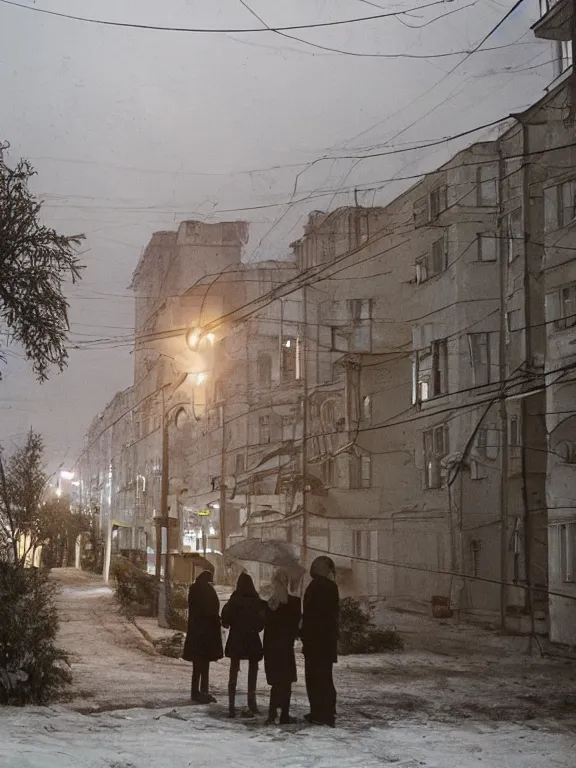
(319, 633)
(203, 642)
(281, 626)
(243, 614)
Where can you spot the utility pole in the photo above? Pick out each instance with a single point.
(304, 428)
(503, 414)
(223, 484)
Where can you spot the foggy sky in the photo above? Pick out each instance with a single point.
(132, 131)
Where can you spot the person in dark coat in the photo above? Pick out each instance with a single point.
(203, 642)
(243, 614)
(319, 633)
(281, 627)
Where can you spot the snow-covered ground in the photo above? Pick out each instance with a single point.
(458, 697)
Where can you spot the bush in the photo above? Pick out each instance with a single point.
(179, 607)
(358, 634)
(135, 590)
(171, 646)
(32, 669)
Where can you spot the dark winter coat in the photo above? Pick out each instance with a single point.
(280, 631)
(204, 634)
(320, 620)
(243, 614)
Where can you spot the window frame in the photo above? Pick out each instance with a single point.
(482, 183)
(563, 320)
(491, 347)
(554, 205)
(481, 238)
(264, 429)
(437, 201)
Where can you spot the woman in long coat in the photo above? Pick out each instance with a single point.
(282, 622)
(204, 636)
(243, 614)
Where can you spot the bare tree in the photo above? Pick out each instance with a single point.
(35, 261)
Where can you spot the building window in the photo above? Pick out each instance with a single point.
(290, 358)
(240, 463)
(264, 429)
(264, 369)
(514, 433)
(287, 427)
(361, 544)
(437, 201)
(568, 552)
(512, 237)
(563, 57)
(367, 409)
(219, 391)
(360, 471)
(487, 185)
(431, 371)
(360, 317)
(513, 323)
(487, 246)
(435, 449)
(562, 307)
(488, 443)
(560, 205)
(435, 262)
(483, 349)
(329, 473)
(566, 450)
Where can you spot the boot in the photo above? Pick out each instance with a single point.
(252, 706)
(231, 702)
(285, 718)
(272, 714)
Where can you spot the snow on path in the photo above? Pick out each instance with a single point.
(190, 736)
(130, 708)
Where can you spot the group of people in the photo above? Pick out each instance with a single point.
(283, 620)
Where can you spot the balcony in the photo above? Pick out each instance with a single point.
(555, 21)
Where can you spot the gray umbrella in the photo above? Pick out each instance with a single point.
(273, 552)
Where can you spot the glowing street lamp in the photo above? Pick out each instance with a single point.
(65, 475)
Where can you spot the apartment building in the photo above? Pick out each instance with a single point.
(548, 128)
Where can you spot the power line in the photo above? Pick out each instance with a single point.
(212, 30)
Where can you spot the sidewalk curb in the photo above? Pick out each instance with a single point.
(146, 635)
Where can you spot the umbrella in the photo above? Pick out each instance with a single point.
(273, 552)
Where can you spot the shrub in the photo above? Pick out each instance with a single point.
(135, 590)
(179, 607)
(171, 646)
(358, 634)
(33, 670)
